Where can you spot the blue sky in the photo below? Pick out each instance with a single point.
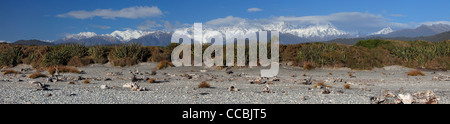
(54, 19)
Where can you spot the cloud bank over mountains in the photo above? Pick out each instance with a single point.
(293, 28)
(130, 13)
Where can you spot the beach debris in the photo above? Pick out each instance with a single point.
(321, 85)
(326, 91)
(82, 72)
(107, 79)
(103, 87)
(266, 89)
(426, 97)
(384, 100)
(80, 78)
(232, 88)
(255, 82)
(49, 79)
(229, 72)
(386, 93)
(113, 74)
(421, 97)
(275, 79)
(71, 82)
(139, 88)
(187, 76)
(338, 80)
(133, 78)
(36, 83)
(39, 85)
(443, 77)
(406, 98)
(129, 85)
(307, 81)
(303, 98)
(25, 70)
(134, 87)
(49, 94)
(153, 72)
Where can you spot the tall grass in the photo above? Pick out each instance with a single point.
(11, 57)
(366, 54)
(99, 54)
(60, 55)
(127, 55)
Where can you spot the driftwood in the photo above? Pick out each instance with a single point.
(443, 77)
(421, 97)
(307, 81)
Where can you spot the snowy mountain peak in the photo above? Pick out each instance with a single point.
(81, 35)
(384, 31)
(128, 35)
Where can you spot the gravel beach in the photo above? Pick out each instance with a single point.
(178, 85)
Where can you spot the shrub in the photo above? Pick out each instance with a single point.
(416, 73)
(86, 82)
(99, 54)
(78, 62)
(372, 43)
(204, 84)
(128, 55)
(321, 84)
(61, 55)
(63, 69)
(11, 57)
(347, 86)
(37, 75)
(164, 64)
(308, 66)
(152, 80)
(153, 72)
(9, 71)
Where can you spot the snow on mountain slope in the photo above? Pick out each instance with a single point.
(383, 31)
(298, 33)
(311, 32)
(128, 35)
(81, 35)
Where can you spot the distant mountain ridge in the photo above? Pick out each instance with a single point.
(423, 30)
(289, 34)
(434, 38)
(33, 42)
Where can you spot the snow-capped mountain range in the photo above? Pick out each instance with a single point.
(289, 33)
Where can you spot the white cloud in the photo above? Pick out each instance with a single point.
(398, 15)
(131, 13)
(229, 20)
(436, 22)
(147, 25)
(254, 10)
(1, 41)
(100, 26)
(168, 25)
(349, 21)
